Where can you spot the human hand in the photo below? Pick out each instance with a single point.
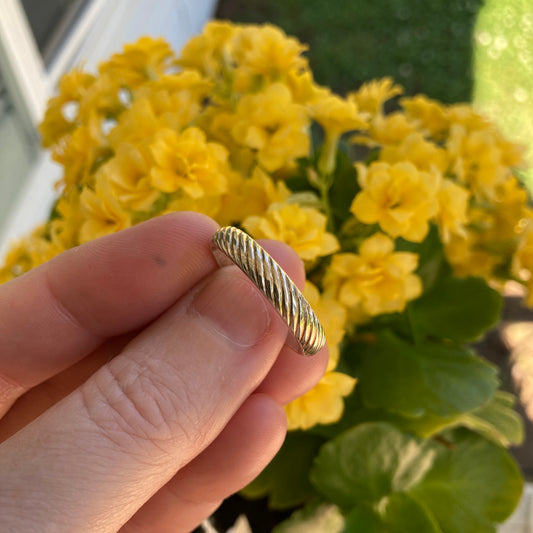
(140, 385)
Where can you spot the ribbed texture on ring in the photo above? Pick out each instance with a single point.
(272, 281)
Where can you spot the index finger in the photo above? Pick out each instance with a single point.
(56, 314)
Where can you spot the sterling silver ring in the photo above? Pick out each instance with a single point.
(232, 246)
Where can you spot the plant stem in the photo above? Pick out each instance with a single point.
(324, 184)
(326, 168)
(328, 157)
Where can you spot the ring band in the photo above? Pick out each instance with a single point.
(233, 246)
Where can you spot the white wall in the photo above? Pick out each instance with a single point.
(124, 21)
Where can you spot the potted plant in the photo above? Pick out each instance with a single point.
(408, 215)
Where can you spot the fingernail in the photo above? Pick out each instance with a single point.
(233, 307)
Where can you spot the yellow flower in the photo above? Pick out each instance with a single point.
(399, 197)
(102, 212)
(494, 230)
(102, 99)
(267, 51)
(128, 174)
(509, 210)
(424, 154)
(188, 163)
(385, 129)
(250, 196)
(80, 152)
(336, 115)
(61, 116)
(495, 226)
(512, 154)
(332, 316)
(464, 115)
(207, 205)
(64, 227)
(428, 115)
(371, 96)
(29, 252)
(147, 59)
(481, 157)
(468, 258)
(136, 125)
(303, 86)
(377, 280)
(219, 125)
(323, 404)
(210, 52)
(453, 203)
(17, 261)
(302, 228)
(176, 99)
(186, 80)
(274, 126)
(477, 160)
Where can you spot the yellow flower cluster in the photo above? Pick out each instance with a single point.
(399, 197)
(443, 165)
(377, 280)
(303, 228)
(225, 129)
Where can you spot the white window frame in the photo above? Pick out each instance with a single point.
(28, 81)
(101, 27)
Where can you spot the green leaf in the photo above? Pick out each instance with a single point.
(432, 263)
(424, 426)
(343, 189)
(460, 309)
(315, 518)
(368, 462)
(396, 514)
(356, 413)
(497, 421)
(472, 486)
(298, 183)
(414, 379)
(363, 519)
(286, 479)
(402, 513)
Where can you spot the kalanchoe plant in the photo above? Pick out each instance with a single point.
(407, 222)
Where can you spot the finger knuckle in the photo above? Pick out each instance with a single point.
(137, 405)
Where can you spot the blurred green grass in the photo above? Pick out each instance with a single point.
(503, 68)
(425, 46)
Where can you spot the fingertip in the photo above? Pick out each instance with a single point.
(156, 240)
(264, 407)
(173, 225)
(292, 375)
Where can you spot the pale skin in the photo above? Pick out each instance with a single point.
(140, 384)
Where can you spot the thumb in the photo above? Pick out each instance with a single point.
(91, 461)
